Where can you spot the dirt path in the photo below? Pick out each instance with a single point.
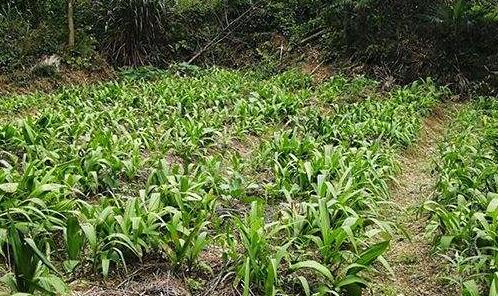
(416, 271)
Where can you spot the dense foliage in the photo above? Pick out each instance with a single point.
(284, 176)
(451, 41)
(465, 213)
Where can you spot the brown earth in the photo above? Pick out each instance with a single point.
(25, 83)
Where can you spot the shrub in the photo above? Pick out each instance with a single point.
(134, 32)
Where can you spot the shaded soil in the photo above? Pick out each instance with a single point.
(417, 271)
(158, 285)
(25, 83)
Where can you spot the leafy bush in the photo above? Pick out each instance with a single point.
(24, 42)
(134, 32)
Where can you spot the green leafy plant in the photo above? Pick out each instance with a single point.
(106, 176)
(31, 267)
(133, 29)
(257, 267)
(464, 214)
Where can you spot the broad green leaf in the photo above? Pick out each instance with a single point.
(52, 284)
(311, 264)
(309, 170)
(247, 277)
(46, 188)
(105, 267)
(351, 279)
(70, 265)
(492, 209)
(493, 289)
(369, 256)
(40, 255)
(74, 238)
(305, 285)
(90, 234)
(9, 187)
(445, 242)
(470, 288)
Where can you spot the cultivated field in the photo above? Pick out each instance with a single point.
(226, 183)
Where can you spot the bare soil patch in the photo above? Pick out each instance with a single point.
(28, 83)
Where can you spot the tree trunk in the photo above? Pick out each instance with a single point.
(70, 22)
